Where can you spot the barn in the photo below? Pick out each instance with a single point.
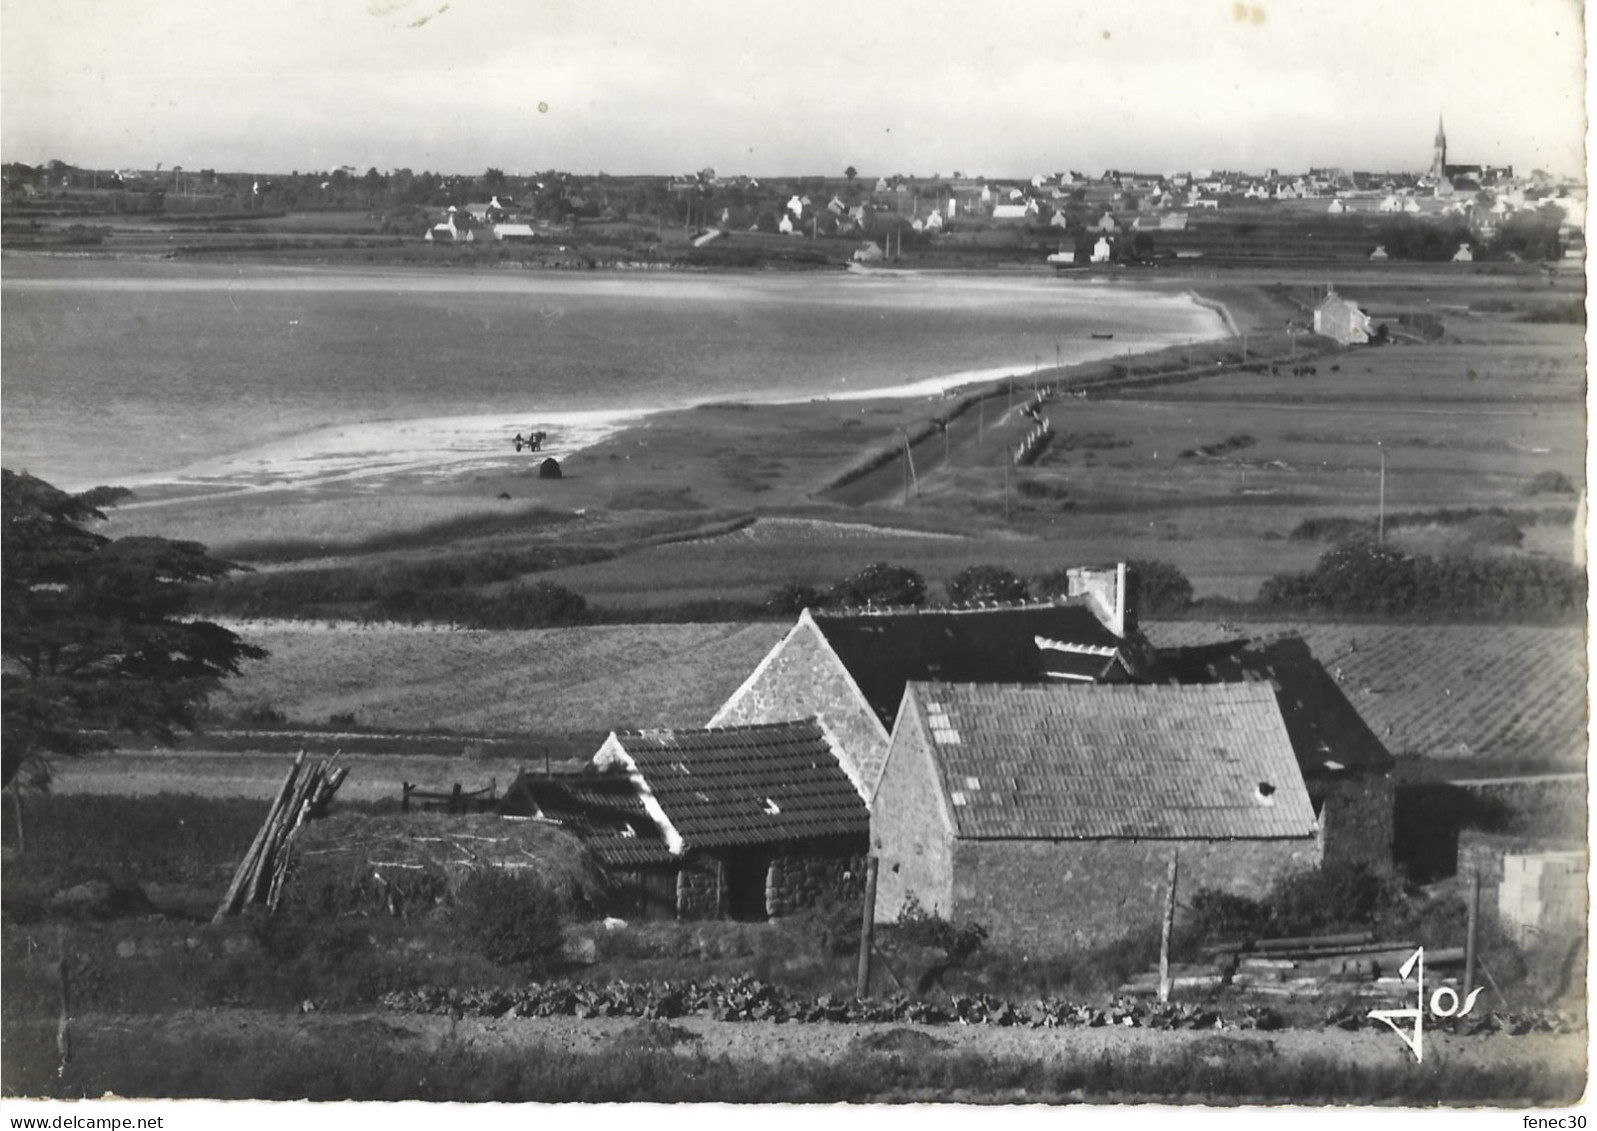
(849, 669)
(1346, 768)
(1050, 814)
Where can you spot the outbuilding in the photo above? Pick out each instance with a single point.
(1346, 768)
(1050, 815)
(849, 669)
(761, 821)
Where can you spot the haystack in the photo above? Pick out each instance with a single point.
(408, 864)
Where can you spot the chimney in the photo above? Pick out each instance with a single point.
(1108, 590)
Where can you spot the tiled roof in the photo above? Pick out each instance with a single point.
(1097, 761)
(884, 651)
(763, 784)
(1328, 734)
(603, 809)
(1506, 694)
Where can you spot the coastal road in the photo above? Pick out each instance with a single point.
(984, 435)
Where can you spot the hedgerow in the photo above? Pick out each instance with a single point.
(1369, 577)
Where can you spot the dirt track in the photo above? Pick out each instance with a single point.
(789, 1043)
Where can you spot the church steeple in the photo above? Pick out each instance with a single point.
(1439, 155)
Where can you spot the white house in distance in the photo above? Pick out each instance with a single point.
(1101, 250)
(1341, 320)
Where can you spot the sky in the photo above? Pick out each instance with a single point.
(991, 87)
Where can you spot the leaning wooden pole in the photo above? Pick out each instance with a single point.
(246, 867)
(1470, 932)
(1164, 932)
(867, 931)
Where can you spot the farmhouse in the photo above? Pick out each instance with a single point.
(757, 820)
(849, 669)
(1341, 320)
(1050, 815)
(1345, 767)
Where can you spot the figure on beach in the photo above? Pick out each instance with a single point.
(518, 441)
(533, 441)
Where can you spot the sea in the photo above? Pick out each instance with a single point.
(134, 371)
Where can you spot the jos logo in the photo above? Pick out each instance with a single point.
(1443, 1003)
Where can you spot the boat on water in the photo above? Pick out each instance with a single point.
(1103, 337)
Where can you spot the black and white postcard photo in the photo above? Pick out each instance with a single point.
(869, 560)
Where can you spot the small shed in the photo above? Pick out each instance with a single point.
(1050, 815)
(761, 820)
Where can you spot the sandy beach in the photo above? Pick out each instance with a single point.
(434, 448)
(192, 380)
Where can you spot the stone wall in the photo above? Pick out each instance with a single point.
(699, 888)
(1434, 819)
(821, 874)
(910, 832)
(804, 677)
(1053, 896)
(800, 876)
(1356, 814)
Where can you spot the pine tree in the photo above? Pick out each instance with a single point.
(95, 633)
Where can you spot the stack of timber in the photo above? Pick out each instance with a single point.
(1186, 979)
(1350, 965)
(305, 794)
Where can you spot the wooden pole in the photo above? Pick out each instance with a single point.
(867, 930)
(1470, 931)
(63, 1025)
(1164, 932)
(246, 867)
(16, 803)
(1380, 528)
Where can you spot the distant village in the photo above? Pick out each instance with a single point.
(1111, 216)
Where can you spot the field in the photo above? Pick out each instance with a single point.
(1466, 700)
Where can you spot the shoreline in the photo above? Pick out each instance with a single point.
(445, 447)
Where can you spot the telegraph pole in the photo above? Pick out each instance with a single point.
(1380, 528)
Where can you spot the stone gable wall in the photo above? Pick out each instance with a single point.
(1357, 814)
(806, 678)
(908, 834)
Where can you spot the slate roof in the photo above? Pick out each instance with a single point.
(1328, 733)
(603, 809)
(883, 651)
(1093, 761)
(762, 784)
